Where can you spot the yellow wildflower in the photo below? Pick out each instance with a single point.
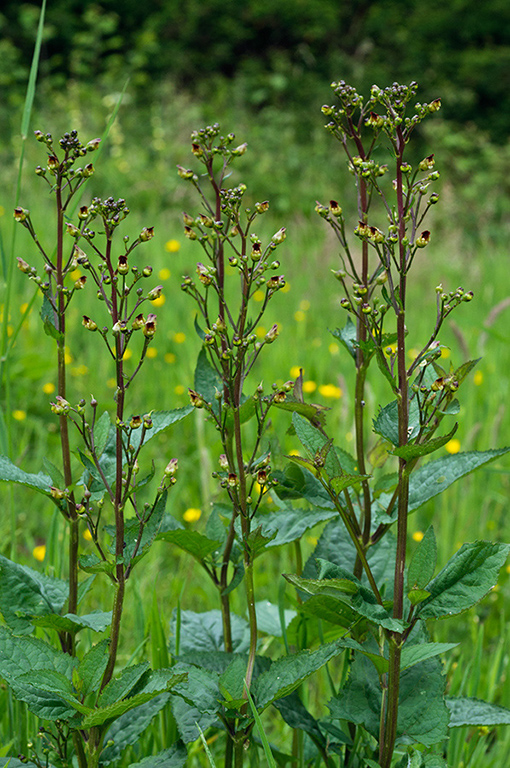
(478, 378)
(19, 415)
(192, 515)
(445, 352)
(152, 352)
(294, 371)
(304, 305)
(87, 535)
(39, 552)
(48, 388)
(164, 273)
(179, 389)
(179, 337)
(453, 445)
(260, 331)
(309, 386)
(172, 246)
(127, 354)
(259, 295)
(169, 357)
(299, 316)
(330, 390)
(333, 348)
(418, 536)
(286, 288)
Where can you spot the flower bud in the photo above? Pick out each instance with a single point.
(279, 236)
(155, 293)
(223, 461)
(149, 329)
(123, 266)
(52, 163)
(374, 120)
(435, 105)
(72, 230)
(240, 150)
(171, 468)
(196, 399)
(88, 170)
(138, 322)
(262, 207)
(21, 214)
(197, 150)
(334, 208)
(83, 212)
(433, 198)
(80, 283)
(93, 144)
(279, 397)
(233, 480)
(183, 173)
(39, 135)
(147, 233)
(189, 221)
(272, 334)
(423, 239)
(256, 251)
(427, 164)
(23, 266)
(136, 422)
(147, 421)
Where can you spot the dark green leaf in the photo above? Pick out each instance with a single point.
(297, 482)
(287, 673)
(423, 562)
(161, 420)
(347, 336)
(414, 654)
(25, 593)
(52, 682)
(465, 579)
(296, 715)
(120, 686)
(97, 621)
(291, 523)
(231, 681)
(92, 564)
(115, 710)
(311, 411)
(416, 450)
(204, 632)
(451, 409)
(386, 421)
(49, 318)
(193, 542)
(57, 478)
(330, 609)
(268, 618)
(475, 713)
(198, 329)
(207, 381)
(10, 472)
(125, 731)
(197, 702)
(91, 668)
(101, 432)
(173, 757)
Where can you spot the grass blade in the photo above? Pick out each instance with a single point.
(260, 728)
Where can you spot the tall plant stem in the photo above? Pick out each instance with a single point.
(71, 513)
(387, 740)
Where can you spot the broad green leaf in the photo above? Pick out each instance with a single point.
(49, 318)
(14, 762)
(92, 666)
(196, 702)
(291, 523)
(451, 409)
(465, 579)
(97, 621)
(296, 483)
(434, 477)
(125, 731)
(423, 562)
(386, 421)
(416, 450)
(11, 473)
(347, 336)
(25, 593)
(312, 411)
(120, 686)
(92, 564)
(413, 654)
(417, 596)
(475, 713)
(231, 681)
(338, 588)
(158, 680)
(53, 683)
(57, 478)
(113, 711)
(268, 618)
(422, 714)
(174, 757)
(207, 381)
(204, 632)
(161, 420)
(288, 672)
(257, 542)
(330, 609)
(318, 445)
(296, 715)
(101, 432)
(132, 532)
(193, 542)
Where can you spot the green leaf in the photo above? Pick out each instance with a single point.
(416, 450)
(318, 445)
(193, 542)
(297, 482)
(413, 654)
(92, 666)
(173, 757)
(423, 562)
(57, 478)
(101, 432)
(197, 701)
(231, 681)
(161, 420)
(338, 588)
(120, 686)
(291, 523)
(296, 715)
(451, 409)
(386, 421)
(54, 683)
(25, 593)
(97, 621)
(113, 711)
(260, 728)
(92, 564)
(132, 532)
(417, 596)
(347, 337)
(422, 713)
(204, 632)
(207, 381)
(330, 609)
(268, 618)
(11, 473)
(312, 411)
(466, 578)
(49, 318)
(125, 731)
(287, 673)
(475, 713)
(433, 478)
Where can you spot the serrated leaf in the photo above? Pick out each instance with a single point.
(92, 666)
(97, 621)
(451, 409)
(92, 564)
(49, 318)
(231, 681)
(417, 596)
(423, 562)
(197, 701)
(296, 715)
(25, 593)
(416, 450)
(174, 757)
(347, 337)
(161, 420)
(386, 421)
(291, 523)
(312, 411)
(193, 542)
(475, 713)
(437, 475)
(287, 673)
(339, 588)
(297, 482)
(113, 711)
(468, 576)
(101, 432)
(204, 632)
(207, 381)
(268, 618)
(57, 478)
(120, 686)
(11, 473)
(414, 654)
(125, 731)
(330, 609)
(53, 683)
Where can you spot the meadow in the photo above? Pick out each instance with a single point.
(292, 171)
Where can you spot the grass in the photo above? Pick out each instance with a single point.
(142, 168)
